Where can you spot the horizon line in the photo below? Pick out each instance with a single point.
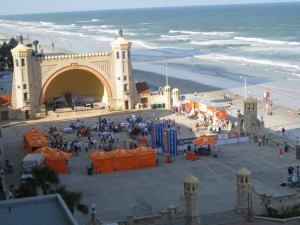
(158, 7)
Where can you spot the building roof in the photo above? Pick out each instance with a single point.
(5, 100)
(46, 210)
(142, 88)
(191, 179)
(21, 48)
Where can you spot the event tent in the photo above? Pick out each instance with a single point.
(58, 161)
(45, 150)
(124, 159)
(102, 161)
(33, 131)
(33, 143)
(204, 140)
(34, 138)
(145, 157)
(59, 99)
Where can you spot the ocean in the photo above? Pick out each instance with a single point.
(220, 46)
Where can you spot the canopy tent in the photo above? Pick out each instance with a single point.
(78, 99)
(34, 138)
(103, 161)
(59, 99)
(58, 161)
(45, 150)
(214, 109)
(35, 142)
(204, 140)
(145, 157)
(32, 131)
(124, 159)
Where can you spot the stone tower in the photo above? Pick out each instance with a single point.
(125, 85)
(252, 125)
(167, 93)
(191, 184)
(243, 204)
(175, 96)
(23, 88)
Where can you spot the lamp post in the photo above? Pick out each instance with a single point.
(245, 86)
(167, 80)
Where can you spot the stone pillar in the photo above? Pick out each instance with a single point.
(167, 94)
(191, 184)
(243, 205)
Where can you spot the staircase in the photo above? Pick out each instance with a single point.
(227, 217)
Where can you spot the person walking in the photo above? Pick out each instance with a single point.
(280, 154)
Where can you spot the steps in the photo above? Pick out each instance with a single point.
(227, 217)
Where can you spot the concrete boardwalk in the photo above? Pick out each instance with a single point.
(145, 191)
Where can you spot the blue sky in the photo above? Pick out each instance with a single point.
(43, 6)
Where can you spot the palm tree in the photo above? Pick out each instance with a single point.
(71, 198)
(45, 177)
(26, 189)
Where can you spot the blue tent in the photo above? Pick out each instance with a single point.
(78, 99)
(59, 99)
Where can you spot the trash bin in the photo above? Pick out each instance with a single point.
(158, 105)
(298, 152)
(163, 105)
(89, 170)
(152, 106)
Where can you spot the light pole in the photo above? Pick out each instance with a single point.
(245, 86)
(167, 80)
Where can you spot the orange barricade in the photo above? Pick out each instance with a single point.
(191, 156)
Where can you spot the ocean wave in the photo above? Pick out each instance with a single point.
(88, 21)
(102, 38)
(296, 74)
(46, 23)
(139, 43)
(202, 33)
(174, 38)
(219, 43)
(244, 60)
(266, 41)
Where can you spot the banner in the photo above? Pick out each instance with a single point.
(172, 142)
(153, 135)
(160, 134)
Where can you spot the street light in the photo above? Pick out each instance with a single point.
(167, 79)
(245, 86)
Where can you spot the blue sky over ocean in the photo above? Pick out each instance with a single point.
(37, 6)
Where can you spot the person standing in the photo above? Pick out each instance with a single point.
(259, 141)
(298, 173)
(283, 132)
(270, 139)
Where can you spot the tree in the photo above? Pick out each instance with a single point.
(45, 177)
(71, 198)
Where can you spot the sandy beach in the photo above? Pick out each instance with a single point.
(274, 123)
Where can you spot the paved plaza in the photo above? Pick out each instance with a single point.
(146, 191)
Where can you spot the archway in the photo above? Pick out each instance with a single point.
(76, 81)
